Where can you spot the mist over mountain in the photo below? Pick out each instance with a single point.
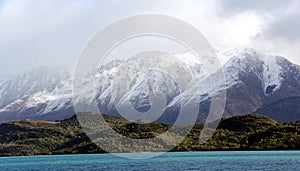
(254, 81)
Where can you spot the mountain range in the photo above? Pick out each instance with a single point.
(255, 83)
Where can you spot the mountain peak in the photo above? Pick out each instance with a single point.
(247, 54)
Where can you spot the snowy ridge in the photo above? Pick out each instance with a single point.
(243, 61)
(49, 90)
(136, 86)
(265, 67)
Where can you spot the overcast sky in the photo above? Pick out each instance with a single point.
(53, 32)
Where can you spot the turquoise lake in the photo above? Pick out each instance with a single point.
(225, 160)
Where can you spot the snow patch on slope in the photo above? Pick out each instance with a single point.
(188, 58)
(272, 74)
(57, 99)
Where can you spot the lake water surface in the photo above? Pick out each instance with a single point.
(229, 160)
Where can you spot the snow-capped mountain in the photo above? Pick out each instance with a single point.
(43, 78)
(54, 100)
(45, 90)
(253, 81)
(269, 69)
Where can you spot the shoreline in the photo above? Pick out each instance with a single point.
(204, 151)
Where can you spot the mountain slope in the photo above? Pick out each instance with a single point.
(285, 110)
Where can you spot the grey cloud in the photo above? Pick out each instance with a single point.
(231, 7)
(54, 32)
(287, 27)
